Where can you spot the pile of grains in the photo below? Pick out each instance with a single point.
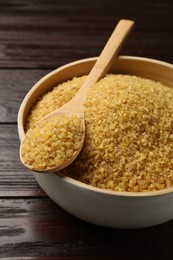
(52, 142)
(129, 132)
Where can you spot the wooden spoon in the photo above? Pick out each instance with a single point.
(75, 107)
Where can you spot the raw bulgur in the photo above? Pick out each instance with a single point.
(129, 132)
(52, 142)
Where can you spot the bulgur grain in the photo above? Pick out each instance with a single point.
(52, 142)
(129, 132)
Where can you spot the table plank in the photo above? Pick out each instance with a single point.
(15, 180)
(14, 84)
(89, 15)
(49, 34)
(27, 50)
(36, 227)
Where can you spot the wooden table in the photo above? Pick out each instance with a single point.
(36, 37)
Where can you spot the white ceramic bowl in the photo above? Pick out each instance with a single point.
(94, 205)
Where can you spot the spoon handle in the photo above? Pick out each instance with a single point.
(107, 56)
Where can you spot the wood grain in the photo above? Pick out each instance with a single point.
(49, 34)
(36, 227)
(14, 85)
(66, 47)
(15, 180)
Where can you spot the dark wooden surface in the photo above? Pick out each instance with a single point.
(36, 37)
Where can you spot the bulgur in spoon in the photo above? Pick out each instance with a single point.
(56, 140)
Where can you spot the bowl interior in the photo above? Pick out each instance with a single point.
(143, 67)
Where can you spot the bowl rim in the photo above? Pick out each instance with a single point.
(75, 182)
